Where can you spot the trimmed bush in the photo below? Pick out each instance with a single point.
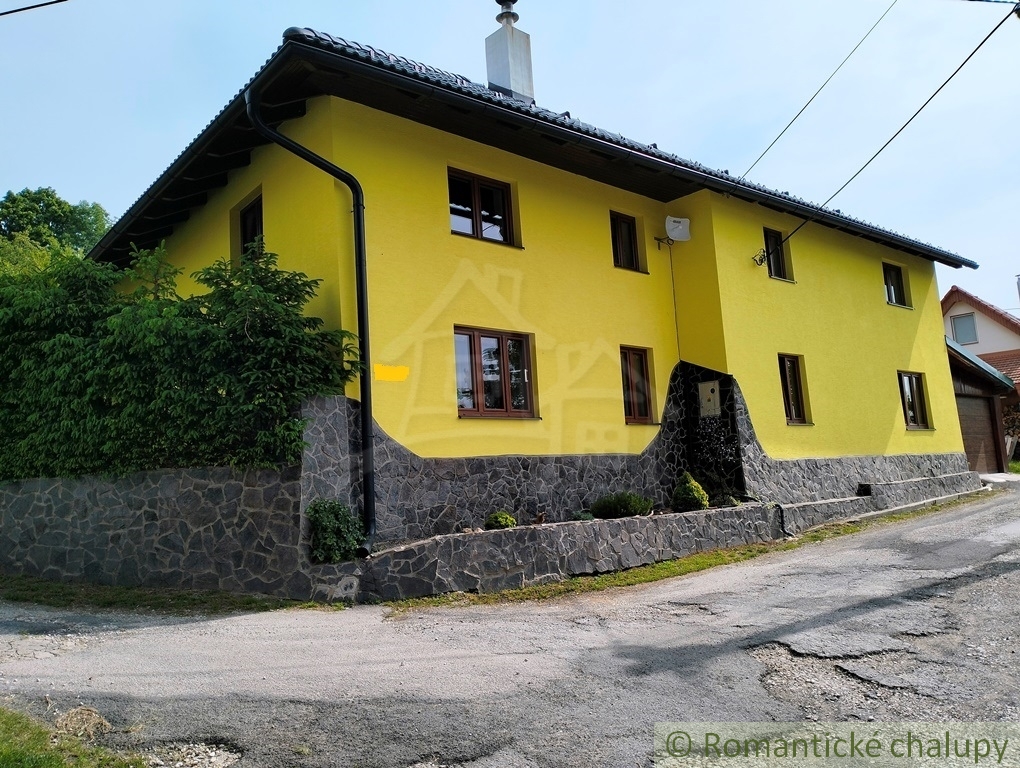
(622, 504)
(335, 531)
(498, 520)
(689, 495)
(583, 516)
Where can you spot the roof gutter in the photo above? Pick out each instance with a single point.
(251, 99)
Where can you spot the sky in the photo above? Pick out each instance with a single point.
(99, 96)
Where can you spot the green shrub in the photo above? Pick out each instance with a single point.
(689, 495)
(501, 519)
(622, 504)
(584, 516)
(335, 532)
(108, 371)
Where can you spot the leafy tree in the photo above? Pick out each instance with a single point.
(19, 255)
(43, 216)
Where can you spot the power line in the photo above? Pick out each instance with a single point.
(31, 7)
(904, 126)
(783, 132)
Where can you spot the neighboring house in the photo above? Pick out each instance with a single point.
(536, 339)
(983, 329)
(980, 390)
(993, 335)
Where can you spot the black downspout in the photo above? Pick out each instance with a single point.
(251, 101)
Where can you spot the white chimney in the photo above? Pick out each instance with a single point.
(508, 56)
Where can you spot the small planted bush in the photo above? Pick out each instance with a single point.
(501, 519)
(689, 495)
(622, 504)
(583, 516)
(336, 532)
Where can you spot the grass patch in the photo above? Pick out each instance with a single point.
(1014, 467)
(177, 602)
(668, 569)
(26, 743)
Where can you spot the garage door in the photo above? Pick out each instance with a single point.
(978, 440)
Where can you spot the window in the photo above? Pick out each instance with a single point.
(775, 255)
(964, 329)
(915, 412)
(493, 373)
(793, 389)
(480, 207)
(625, 244)
(894, 290)
(637, 398)
(251, 223)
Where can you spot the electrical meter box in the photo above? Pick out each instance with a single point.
(708, 392)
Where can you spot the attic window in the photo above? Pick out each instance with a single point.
(964, 329)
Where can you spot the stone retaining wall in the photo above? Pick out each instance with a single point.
(528, 555)
(196, 528)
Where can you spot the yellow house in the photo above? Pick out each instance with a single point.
(551, 312)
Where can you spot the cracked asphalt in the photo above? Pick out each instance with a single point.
(909, 621)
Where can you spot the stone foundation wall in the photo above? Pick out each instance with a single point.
(900, 479)
(418, 497)
(197, 528)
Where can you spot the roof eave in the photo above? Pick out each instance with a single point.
(514, 113)
(980, 366)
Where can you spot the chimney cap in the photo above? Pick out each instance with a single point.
(507, 12)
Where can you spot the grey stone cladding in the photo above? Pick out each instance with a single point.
(888, 480)
(246, 532)
(196, 528)
(418, 498)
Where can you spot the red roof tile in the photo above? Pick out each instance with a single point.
(1008, 362)
(990, 311)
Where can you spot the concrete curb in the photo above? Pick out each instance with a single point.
(880, 513)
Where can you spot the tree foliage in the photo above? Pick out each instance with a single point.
(42, 216)
(95, 379)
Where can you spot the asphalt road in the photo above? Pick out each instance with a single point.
(909, 621)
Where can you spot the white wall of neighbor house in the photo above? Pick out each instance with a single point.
(991, 336)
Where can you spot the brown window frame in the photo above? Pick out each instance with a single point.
(791, 379)
(251, 223)
(477, 183)
(914, 382)
(895, 285)
(479, 410)
(619, 223)
(632, 396)
(775, 255)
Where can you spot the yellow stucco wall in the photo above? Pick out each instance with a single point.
(835, 315)
(559, 286)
